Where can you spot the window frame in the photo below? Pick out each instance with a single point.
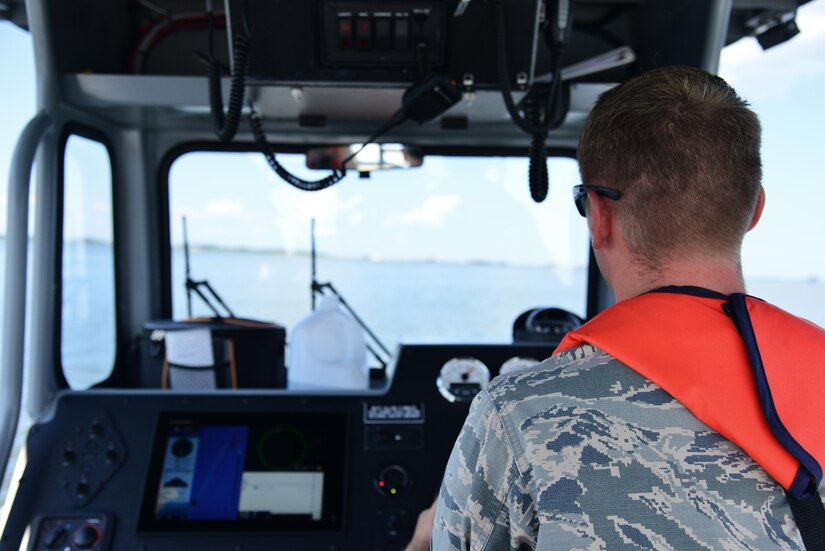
(597, 295)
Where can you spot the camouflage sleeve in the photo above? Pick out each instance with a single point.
(483, 503)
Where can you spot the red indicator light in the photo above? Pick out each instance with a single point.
(381, 483)
(364, 27)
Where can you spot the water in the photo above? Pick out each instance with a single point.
(400, 302)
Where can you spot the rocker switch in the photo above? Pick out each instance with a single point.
(383, 39)
(402, 35)
(363, 34)
(344, 33)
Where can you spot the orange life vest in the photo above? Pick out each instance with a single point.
(684, 340)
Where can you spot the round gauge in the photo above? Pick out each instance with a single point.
(515, 364)
(462, 378)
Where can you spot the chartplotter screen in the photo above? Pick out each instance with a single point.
(279, 471)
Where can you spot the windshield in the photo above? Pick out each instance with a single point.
(453, 251)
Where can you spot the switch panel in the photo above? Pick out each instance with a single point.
(386, 34)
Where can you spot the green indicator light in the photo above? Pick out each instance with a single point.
(393, 491)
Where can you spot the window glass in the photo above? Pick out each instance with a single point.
(452, 251)
(782, 256)
(88, 337)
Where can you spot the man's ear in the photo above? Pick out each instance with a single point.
(599, 219)
(757, 212)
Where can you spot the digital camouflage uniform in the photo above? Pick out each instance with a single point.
(581, 452)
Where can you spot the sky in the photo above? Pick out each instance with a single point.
(467, 210)
(450, 210)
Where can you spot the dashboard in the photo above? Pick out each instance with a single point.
(248, 470)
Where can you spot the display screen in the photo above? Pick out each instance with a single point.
(272, 471)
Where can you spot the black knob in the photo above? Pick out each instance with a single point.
(96, 429)
(85, 537)
(82, 490)
(55, 538)
(392, 480)
(111, 455)
(69, 456)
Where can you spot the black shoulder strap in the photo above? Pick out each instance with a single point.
(809, 514)
(805, 501)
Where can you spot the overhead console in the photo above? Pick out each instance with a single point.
(490, 71)
(224, 471)
(373, 42)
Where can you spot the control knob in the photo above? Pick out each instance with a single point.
(85, 537)
(393, 480)
(69, 456)
(55, 538)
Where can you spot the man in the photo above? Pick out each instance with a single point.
(586, 451)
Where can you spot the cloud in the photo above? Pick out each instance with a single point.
(224, 207)
(293, 210)
(432, 213)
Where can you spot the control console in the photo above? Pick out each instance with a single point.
(243, 470)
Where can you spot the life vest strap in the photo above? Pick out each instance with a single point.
(810, 473)
(809, 514)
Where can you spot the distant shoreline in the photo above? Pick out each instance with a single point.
(812, 279)
(201, 247)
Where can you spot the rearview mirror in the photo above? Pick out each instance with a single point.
(372, 157)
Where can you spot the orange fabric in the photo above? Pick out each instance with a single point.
(691, 349)
(796, 375)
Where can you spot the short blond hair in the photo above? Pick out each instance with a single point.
(684, 150)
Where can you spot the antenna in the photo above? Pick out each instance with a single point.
(188, 279)
(313, 284)
(192, 285)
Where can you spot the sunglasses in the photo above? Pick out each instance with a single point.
(580, 194)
